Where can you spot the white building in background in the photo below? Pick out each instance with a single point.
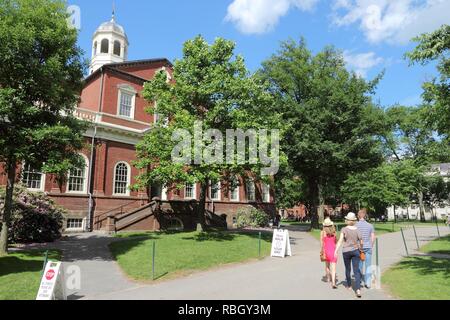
(441, 211)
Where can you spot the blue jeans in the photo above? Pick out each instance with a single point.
(352, 259)
(365, 267)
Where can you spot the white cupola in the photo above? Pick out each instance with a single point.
(109, 44)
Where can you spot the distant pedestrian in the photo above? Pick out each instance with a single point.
(368, 236)
(448, 220)
(351, 242)
(328, 249)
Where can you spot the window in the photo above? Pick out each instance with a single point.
(266, 193)
(189, 191)
(234, 194)
(94, 50)
(32, 179)
(117, 48)
(104, 46)
(74, 223)
(121, 179)
(250, 190)
(77, 179)
(126, 104)
(215, 191)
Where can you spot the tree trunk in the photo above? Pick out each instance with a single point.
(11, 170)
(201, 210)
(421, 206)
(314, 204)
(321, 208)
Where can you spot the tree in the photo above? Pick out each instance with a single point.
(329, 114)
(212, 92)
(408, 137)
(40, 81)
(431, 47)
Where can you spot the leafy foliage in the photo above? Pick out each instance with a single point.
(251, 217)
(213, 86)
(35, 217)
(436, 46)
(40, 81)
(329, 115)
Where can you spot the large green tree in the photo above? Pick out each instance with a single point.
(329, 114)
(408, 137)
(41, 75)
(435, 46)
(212, 90)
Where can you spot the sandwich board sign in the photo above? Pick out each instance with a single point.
(281, 244)
(52, 283)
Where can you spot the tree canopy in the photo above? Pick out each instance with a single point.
(329, 115)
(40, 81)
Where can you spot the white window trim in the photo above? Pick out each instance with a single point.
(43, 177)
(266, 199)
(86, 175)
(238, 187)
(123, 88)
(83, 224)
(194, 192)
(219, 191)
(127, 194)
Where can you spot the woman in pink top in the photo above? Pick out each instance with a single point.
(328, 241)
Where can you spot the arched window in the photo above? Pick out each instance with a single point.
(94, 50)
(117, 48)
(121, 179)
(105, 46)
(77, 182)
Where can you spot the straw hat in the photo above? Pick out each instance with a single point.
(328, 223)
(351, 217)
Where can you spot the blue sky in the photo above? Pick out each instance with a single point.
(373, 34)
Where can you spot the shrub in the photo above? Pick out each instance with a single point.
(251, 217)
(35, 217)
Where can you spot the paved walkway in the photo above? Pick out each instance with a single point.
(297, 277)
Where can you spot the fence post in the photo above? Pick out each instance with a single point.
(259, 245)
(153, 260)
(415, 234)
(377, 252)
(404, 241)
(437, 227)
(45, 262)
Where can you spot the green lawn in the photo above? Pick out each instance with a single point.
(439, 246)
(183, 253)
(422, 278)
(20, 274)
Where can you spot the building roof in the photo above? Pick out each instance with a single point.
(118, 67)
(112, 26)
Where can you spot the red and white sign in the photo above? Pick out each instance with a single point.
(52, 286)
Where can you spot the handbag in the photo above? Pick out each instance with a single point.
(362, 255)
(323, 257)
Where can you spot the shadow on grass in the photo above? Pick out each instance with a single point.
(426, 266)
(29, 261)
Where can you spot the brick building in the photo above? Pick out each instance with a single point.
(97, 195)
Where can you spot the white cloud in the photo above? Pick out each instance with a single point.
(261, 16)
(361, 63)
(392, 21)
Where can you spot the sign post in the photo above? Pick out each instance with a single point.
(52, 284)
(281, 244)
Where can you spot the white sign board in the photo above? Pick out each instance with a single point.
(52, 283)
(281, 244)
